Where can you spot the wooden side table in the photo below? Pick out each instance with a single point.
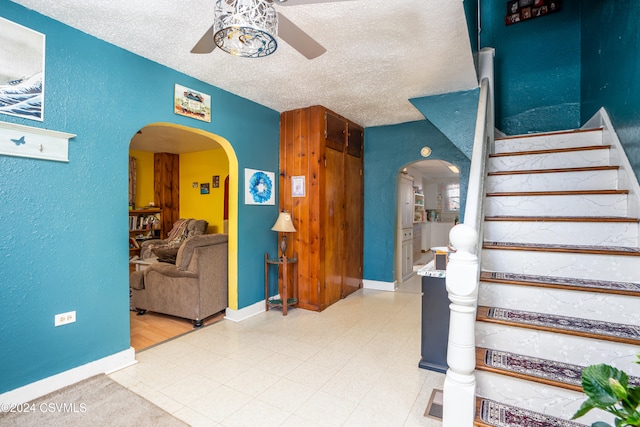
(285, 263)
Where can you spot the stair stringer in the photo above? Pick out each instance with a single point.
(627, 177)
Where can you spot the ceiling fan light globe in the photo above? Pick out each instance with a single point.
(245, 28)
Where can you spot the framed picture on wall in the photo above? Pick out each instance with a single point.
(21, 71)
(191, 103)
(523, 10)
(204, 188)
(259, 187)
(298, 186)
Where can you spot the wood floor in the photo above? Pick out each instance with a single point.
(154, 328)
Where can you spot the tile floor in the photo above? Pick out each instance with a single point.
(354, 364)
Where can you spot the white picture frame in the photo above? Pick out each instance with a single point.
(259, 187)
(22, 73)
(298, 187)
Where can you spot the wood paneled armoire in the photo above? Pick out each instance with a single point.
(327, 150)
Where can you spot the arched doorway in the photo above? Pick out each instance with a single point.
(428, 207)
(200, 183)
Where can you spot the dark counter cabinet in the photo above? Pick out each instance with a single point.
(435, 324)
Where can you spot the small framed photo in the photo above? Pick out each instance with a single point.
(204, 188)
(216, 181)
(298, 186)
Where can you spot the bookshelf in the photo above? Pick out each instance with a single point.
(144, 224)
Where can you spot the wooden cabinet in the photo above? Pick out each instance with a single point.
(326, 149)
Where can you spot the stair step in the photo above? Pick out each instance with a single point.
(594, 156)
(563, 218)
(599, 178)
(600, 266)
(581, 249)
(556, 346)
(596, 329)
(550, 372)
(568, 204)
(550, 151)
(571, 283)
(555, 170)
(555, 193)
(563, 230)
(539, 141)
(490, 413)
(557, 374)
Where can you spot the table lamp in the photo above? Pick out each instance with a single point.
(284, 224)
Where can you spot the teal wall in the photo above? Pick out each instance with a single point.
(454, 114)
(64, 225)
(471, 13)
(611, 68)
(537, 68)
(387, 150)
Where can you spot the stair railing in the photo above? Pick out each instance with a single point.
(463, 269)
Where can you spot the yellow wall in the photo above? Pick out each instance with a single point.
(200, 167)
(144, 177)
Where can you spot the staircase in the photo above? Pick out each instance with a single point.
(560, 278)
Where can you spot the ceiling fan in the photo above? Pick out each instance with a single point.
(248, 28)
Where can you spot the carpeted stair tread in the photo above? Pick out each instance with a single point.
(556, 193)
(597, 329)
(490, 413)
(584, 249)
(572, 283)
(551, 372)
(551, 151)
(554, 170)
(562, 218)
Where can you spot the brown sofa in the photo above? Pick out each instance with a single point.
(194, 288)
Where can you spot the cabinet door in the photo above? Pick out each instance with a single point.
(354, 229)
(407, 259)
(333, 224)
(335, 131)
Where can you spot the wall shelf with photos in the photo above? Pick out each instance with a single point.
(522, 10)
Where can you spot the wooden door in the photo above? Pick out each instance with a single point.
(166, 188)
(354, 211)
(333, 224)
(354, 228)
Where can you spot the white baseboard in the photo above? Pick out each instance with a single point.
(106, 365)
(380, 286)
(245, 313)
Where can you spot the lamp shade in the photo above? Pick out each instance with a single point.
(284, 223)
(245, 28)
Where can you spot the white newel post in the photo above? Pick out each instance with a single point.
(462, 286)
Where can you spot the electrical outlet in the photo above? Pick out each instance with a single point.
(65, 318)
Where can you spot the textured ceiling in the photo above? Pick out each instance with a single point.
(380, 53)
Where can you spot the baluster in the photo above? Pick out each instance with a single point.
(462, 286)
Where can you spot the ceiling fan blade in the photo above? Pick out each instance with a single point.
(206, 43)
(299, 2)
(298, 39)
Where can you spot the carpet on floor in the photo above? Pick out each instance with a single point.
(96, 401)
